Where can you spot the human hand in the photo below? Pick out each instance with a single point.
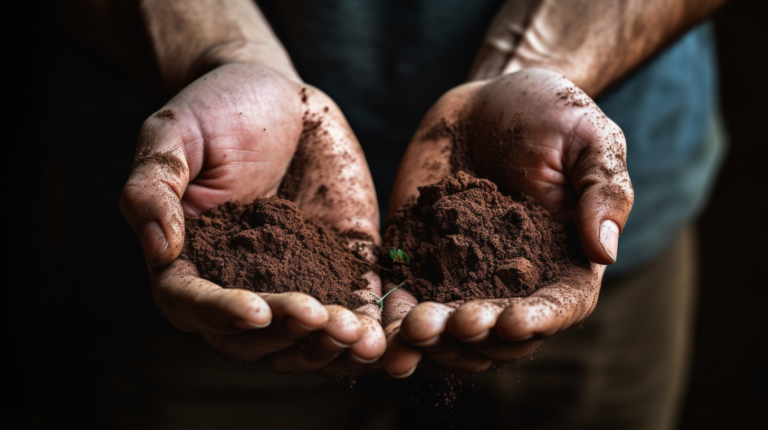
(534, 132)
(231, 135)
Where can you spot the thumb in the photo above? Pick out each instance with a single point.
(604, 190)
(151, 198)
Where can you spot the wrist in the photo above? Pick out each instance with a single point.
(190, 38)
(242, 52)
(576, 72)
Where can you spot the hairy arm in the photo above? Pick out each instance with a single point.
(177, 40)
(591, 42)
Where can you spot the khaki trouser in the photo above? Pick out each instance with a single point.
(624, 368)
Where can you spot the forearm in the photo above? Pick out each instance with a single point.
(191, 37)
(595, 42)
(170, 43)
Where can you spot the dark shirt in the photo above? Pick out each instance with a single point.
(386, 62)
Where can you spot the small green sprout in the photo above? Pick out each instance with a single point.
(380, 300)
(399, 256)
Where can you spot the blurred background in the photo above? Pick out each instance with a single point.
(729, 379)
(728, 386)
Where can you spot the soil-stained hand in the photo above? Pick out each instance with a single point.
(531, 131)
(232, 135)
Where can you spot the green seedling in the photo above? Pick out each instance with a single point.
(505, 212)
(399, 256)
(380, 300)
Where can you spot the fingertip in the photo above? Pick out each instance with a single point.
(397, 305)
(404, 375)
(372, 344)
(361, 360)
(156, 216)
(609, 238)
(512, 324)
(298, 328)
(343, 325)
(473, 319)
(248, 325)
(599, 240)
(476, 338)
(400, 360)
(424, 322)
(154, 244)
(304, 313)
(531, 317)
(247, 308)
(258, 314)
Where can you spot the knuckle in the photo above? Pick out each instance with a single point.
(129, 197)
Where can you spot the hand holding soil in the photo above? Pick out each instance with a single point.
(532, 133)
(239, 133)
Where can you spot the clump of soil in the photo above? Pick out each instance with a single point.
(467, 241)
(269, 246)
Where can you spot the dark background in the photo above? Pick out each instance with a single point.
(728, 385)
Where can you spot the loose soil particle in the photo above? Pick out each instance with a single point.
(468, 241)
(269, 246)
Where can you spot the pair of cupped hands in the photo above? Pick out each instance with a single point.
(232, 134)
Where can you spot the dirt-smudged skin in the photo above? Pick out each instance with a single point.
(468, 241)
(270, 246)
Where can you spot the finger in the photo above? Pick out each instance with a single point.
(424, 324)
(348, 365)
(302, 312)
(396, 307)
(363, 355)
(473, 321)
(320, 348)
(400, 359)
(151, 198)
(453, 354)
(295, 316)
(551, 309)
(368, 295)
(501, 350)
(502, 38)
(597, 160)
(343, 328)
(195, 304)
(372, 343)
(473, 324)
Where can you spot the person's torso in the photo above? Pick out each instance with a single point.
(386, 62)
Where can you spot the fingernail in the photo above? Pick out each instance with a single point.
(476, 338)
(406, 374)
(153, 241)
(428, 342)
(609, 238)
(305, 327)
(362, 360)
(254, 325)
(298, 328)
(337, 343)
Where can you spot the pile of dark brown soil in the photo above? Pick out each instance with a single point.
(466, 240)
(269, 246)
